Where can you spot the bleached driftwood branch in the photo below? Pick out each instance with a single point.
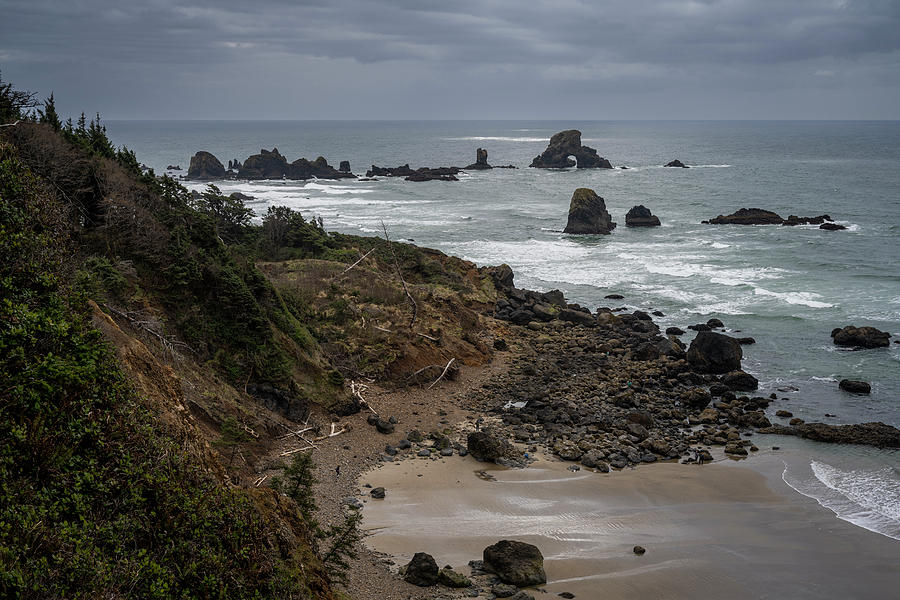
(447, 368)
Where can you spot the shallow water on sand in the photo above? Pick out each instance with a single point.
(712, 531)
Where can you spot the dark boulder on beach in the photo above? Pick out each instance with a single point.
(676, 163)
(422, 570)
(878, 434)
(588, 214)
(564, 145)
(515, 563)
(205, 166)
(711, 352)
(481, 162)
(861, 337)
(674, 331)
(486, 445)
(748, 216)
(640, 216)
(740, 380)
(855, 387)
(453, 579)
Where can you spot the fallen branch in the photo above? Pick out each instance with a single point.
(297, 433)
(333, 433)
(447, 368)
(259, 481)
(400, 275)
(341, 274)
(357, 389)
(12, 124)
(169, 343)
(296, 450)
(382, 329)
(428, 337)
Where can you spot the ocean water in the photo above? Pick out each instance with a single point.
(787, 287)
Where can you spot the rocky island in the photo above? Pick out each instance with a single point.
(565, 151)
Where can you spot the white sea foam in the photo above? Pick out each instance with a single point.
(826, 379)
(864, 497)
(487, 138)
(802, 298)
(336, 189)
(709, 166)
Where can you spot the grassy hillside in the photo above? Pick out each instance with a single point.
(154, 343)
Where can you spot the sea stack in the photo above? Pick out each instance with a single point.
(640, 216)
(205, 166)
(564, 145)
(481, 162)
(588, 214)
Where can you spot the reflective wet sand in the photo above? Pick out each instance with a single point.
(720, 529)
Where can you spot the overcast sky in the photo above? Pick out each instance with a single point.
(479, 59)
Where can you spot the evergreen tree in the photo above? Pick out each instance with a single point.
(14, 104)
(48, 114)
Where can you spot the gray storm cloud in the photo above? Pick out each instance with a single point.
(485, 59)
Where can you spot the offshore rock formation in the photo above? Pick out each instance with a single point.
(565, 144)
(205, 166)
(640, 216)
(421, 174)
(875, 434)
(588, 214)
(676, 163)
(748, 216)
(272, 165)
(481, 162)
(861, 337)
(758, 216)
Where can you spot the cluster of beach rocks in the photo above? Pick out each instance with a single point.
(608, 389)
(505, 567)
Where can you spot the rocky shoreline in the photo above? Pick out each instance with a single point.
(603, 390)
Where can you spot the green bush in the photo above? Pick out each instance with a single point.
(97, 499)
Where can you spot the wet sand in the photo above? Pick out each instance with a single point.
(722, 529)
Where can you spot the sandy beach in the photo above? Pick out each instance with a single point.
(723, 529)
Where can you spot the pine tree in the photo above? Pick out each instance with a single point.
(48, 115)
(232, 435)
(344, 539)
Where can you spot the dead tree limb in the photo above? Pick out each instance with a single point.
(357, 389)
(428, 337)
(447, 368)
(412, 300)
(296, 450)
(342, 273)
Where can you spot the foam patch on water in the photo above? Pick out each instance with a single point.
(336, 189)
(499, 138)
(802, 298)
(865, 497)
